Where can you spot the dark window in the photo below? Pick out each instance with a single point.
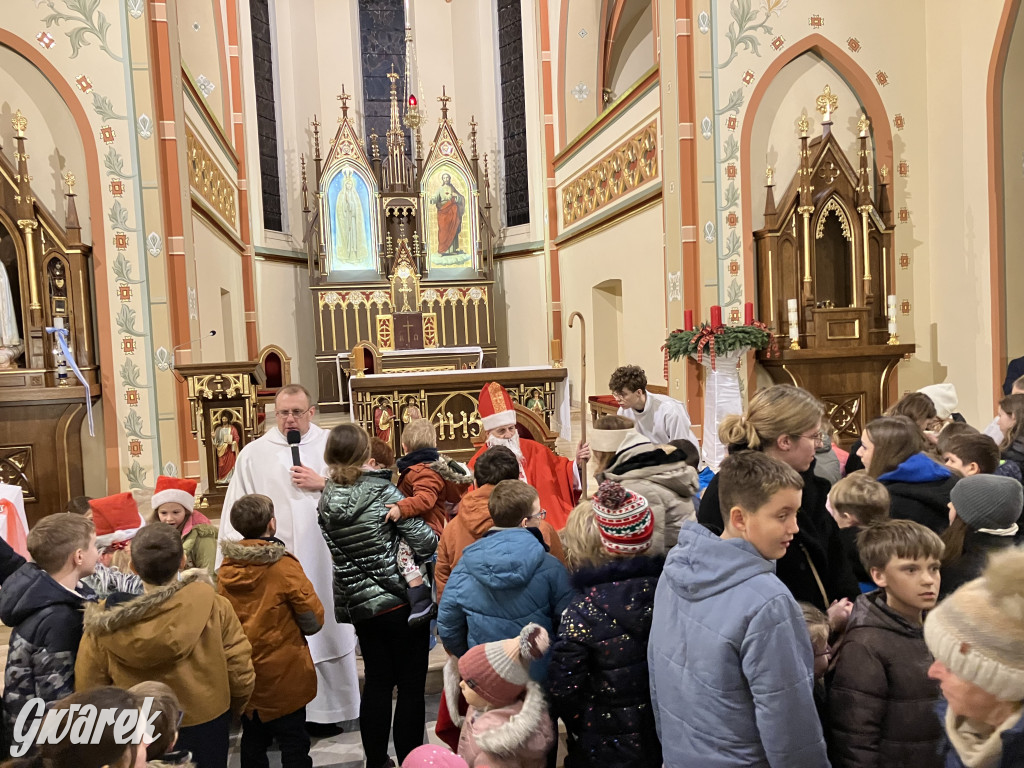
(513, 112)
(382, 49)
(266, 113)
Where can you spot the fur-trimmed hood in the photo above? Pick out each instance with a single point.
(255, 551)
(515, 730)
(247, 564)
(452, 471)
(158, 626)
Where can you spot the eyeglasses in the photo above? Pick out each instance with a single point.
(818, 438)
(294, 412)
(539, 516)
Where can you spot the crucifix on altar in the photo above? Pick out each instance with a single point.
(405, 297)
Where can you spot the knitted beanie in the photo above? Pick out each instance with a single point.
(978, 631)
(498, 671)
(987, 501)
(943, 396)
(431, 754)
(623, 519)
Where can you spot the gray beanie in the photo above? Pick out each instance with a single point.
(988, 501)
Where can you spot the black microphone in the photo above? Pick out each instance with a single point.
(185, 344)
(294, 437)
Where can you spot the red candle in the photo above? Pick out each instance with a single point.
(412, 100)
(748, 313)
(688, 319)
(716, 316)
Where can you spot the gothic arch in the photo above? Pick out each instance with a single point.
(99, 248)
(858, 80)
(997, 215)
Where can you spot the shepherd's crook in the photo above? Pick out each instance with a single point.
(583, 393)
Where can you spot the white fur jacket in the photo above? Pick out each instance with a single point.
(518, 735)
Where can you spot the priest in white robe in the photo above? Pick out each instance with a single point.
(265, 466)
(659, 418)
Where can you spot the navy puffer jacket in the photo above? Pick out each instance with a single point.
(598, 679)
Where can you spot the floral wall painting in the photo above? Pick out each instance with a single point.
(354, 239)
(450, 223)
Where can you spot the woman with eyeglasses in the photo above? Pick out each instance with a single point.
(785, 423)
(893, 452)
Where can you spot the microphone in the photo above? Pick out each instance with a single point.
(185, 344)
(294, 436)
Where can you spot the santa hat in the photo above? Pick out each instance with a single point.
(117, 519)
(496, 409)
(497, 672)
(623, 519)
(176, 489)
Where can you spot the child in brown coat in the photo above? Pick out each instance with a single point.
(277, 606)
(430, 482)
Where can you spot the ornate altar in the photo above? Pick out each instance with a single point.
(384, 403)
(825, 279)
(45, 276)
(225, 417)
(399, 250)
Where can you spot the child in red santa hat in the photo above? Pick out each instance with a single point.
(117, 520)
(507, 725)
(174, 502)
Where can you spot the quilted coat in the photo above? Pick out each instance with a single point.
(731, 666)
(597, 679)
(430, 483)
(881, 699)
(661, 475)
(278, 607)
(47, 622)
(501, 584)
(364, 545)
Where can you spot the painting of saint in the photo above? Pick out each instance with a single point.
(349, 206)
(226, 439)
(449, 226)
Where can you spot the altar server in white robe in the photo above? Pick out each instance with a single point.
(265, 466)
(659, 418)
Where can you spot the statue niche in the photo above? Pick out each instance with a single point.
(11, 330)
(833, 255)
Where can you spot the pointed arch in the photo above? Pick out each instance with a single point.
(861, 83)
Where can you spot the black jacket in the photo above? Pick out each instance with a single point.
(977, 548)
(47, 622)
(881, 699)
(598, 679)
(1015, 453)
(919, 491)
(818, 541)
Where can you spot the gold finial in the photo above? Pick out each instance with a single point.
(884, 172)
(69, 179)
(343, 98)
(393, 77)
(19, 122)
(444, 98)
(826, 104)
(769, 176)
(804, 125)
(863, 124)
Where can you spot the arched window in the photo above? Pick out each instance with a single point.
(513, 113)
(381, 49)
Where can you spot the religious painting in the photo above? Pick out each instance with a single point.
(450, 222)
(352, 226)
(227, 442)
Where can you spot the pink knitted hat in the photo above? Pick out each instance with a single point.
(498, 671)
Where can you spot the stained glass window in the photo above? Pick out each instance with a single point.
(266, 113)
(513, 113)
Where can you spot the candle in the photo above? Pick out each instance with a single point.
(556, 349)
(688, 319)
(892, 326)
(748, 313)
(794, 327)
(791, 305)
(892, 303)
(716, 316)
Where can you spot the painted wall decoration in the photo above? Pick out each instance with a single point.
(354, 238)
(451, 223)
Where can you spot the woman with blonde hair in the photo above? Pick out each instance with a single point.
(598, 678)
(893, 452)
(784, 422)
(370, 593)
(659, 473)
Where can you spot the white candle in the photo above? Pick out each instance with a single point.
(892, 301)
(892, 326)
(791, 304)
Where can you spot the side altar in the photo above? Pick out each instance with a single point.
(399, 251)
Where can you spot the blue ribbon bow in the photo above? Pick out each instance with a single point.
(62, 341)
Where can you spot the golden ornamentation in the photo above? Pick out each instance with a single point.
(385, 332)
(19, 122)
(826, 103)
(769, 176)
(883, 172)
(69, 179)
(804, 125)
(863, 124)
(632, 163)
(844, 220)
(429, 330)
(208, 180)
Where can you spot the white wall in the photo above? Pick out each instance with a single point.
(284, 315)
(218, 268)
(521, 312)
